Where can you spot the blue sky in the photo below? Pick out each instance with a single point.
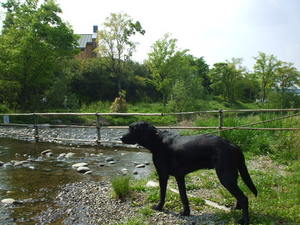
(215, 29)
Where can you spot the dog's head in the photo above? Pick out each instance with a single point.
(139, 133)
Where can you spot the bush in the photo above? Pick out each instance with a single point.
(3, 108)
(120, 185)
(120, 104)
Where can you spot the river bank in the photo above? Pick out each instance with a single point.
(65, 136)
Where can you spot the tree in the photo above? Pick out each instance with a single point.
(224, 77)
(164, 62)
(177, 75)
(286, 76)
(34, 44)
(115, 44)
(287, 79)
(92, 81)
(265, 69)
(201, 70)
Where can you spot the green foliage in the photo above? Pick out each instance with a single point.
(115, 44)
(9, 91)
(264, 68)
(33, 46)
(4, 108)
(120, 185)
(224, 77)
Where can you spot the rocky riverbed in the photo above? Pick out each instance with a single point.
(92, 203)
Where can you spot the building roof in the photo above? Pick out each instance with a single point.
(84, 39)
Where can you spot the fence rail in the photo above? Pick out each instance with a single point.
(98, 125)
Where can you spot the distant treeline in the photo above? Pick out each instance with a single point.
(39, 69)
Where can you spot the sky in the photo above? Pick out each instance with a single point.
(217, 30)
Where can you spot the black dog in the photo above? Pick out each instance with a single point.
(178, 155)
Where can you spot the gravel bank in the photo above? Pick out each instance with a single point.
(56, 135)
(90, 202)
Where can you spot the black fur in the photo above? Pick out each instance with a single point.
(178, 155)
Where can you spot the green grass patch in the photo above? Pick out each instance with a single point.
(120, 186)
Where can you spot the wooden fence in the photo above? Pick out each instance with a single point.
(220, 128)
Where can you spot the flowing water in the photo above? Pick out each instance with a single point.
(36, 182)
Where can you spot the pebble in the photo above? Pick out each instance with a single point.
(49, 154)
(46, 151)
(61, 156)
(20, 163)
(76, 165)
(140, 166)
(124, 171)
(70, 155)
(83, 169)
(7, 165)
(8, 201)
(109, 159)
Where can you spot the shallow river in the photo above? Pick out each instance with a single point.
(36, 182)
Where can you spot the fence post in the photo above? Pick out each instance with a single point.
(36, 128)
(221, 119)
(98, 126)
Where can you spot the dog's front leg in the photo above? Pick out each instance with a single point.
(163, 181)
(182, 191)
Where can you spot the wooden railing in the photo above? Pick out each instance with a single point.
(99, 125)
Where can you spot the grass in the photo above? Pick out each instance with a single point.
(120, 186)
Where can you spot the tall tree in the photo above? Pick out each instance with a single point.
(287, 76)
(33, 46)
(224, 77)
(162, 64)
(265, 69)
(115, 43)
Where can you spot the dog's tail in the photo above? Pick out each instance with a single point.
(246, 176)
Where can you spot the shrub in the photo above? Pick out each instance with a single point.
(120, 185)
(120, 104)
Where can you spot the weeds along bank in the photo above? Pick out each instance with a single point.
(280, 145)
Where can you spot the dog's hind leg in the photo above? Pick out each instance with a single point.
(229, 181)
(163, 182)
(182, 191)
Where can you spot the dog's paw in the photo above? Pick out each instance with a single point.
(157, 207)
(185, 213)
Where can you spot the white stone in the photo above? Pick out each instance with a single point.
(83, 169)
(124, 171)
(76, 165)
(70, 154)
(8, 201)
(140, 166)
(46, 151)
